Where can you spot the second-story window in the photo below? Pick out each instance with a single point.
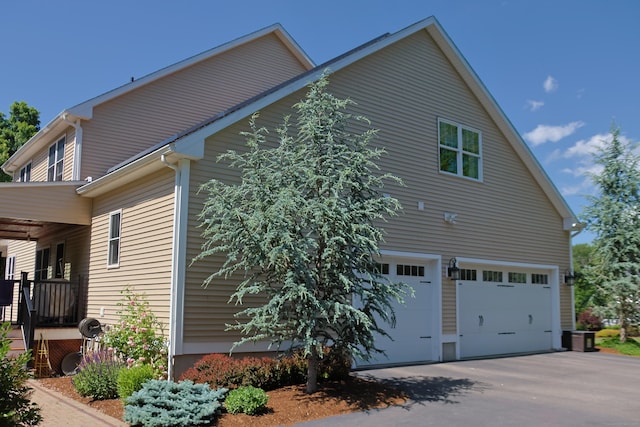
(56, 161)
(460, 150)
(25, 173)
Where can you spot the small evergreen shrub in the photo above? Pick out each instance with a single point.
(131, 379)
(97, 375)
(248, 400)
(138, 337)
(165, 403)
(16, 409)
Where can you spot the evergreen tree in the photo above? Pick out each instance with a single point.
(613, 215)
(22, 124)
(300, 226)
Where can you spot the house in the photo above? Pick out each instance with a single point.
(105, 196)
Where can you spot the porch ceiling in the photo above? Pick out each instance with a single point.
(27, 208)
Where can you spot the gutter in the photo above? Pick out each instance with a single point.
(77, 150)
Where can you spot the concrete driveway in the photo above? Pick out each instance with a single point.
(553, 389)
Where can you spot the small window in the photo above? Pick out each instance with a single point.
(410, 270)
(540, 279)
(25, 173)
(56, 161)
(58, 268)
(10, 270)
(468, 274)
(492, 276)
(460, 150)
(42, 264)
(379, 268)
(115, 227)
(517, 277)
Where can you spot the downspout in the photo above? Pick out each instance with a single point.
(77, 148)
(177, 264)
(573, 298)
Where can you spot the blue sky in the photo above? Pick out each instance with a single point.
(562, 71)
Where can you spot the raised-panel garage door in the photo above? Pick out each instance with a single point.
(502, 318)
(414, 332)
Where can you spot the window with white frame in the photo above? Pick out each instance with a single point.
(25, 173)
(10, 270)
(460, 150)
(115, 228)
(42, 264)
(56, 161)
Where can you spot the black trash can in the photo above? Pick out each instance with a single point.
(566, 340)
(583, 341)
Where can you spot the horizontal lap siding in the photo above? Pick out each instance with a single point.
(403, 90)
(128, 124)
(40, 162)
(145, 252)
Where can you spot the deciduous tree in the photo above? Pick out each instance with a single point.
(301, 227)
(23, 122)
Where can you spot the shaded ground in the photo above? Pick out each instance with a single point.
(286, 406)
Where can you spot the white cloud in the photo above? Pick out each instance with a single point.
(550, 84)
(534, 105)
(587, 147)
(544, 133)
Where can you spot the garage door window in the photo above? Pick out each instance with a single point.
(492, 276)
(410, 270)
(540, 279)
(381, 268)
(517, 277)
(468, 274)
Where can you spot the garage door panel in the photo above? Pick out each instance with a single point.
(500, 318)
(411, 340)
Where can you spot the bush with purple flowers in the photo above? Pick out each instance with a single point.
(138, 337)
(97, 375)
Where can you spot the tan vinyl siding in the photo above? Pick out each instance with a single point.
(403, 90)
(25, 256)
(126, 125)
(145, 246)
(76, 256)
(40, 162)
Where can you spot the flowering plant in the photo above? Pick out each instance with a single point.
(138, 337)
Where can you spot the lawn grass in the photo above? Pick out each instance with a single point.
(629, 348)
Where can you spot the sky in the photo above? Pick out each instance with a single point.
(563, 71)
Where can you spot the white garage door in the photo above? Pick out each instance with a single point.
(499, 314)
(414, 332)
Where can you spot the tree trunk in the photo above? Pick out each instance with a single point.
(312, 372)
(623, 330)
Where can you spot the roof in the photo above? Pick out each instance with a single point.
(197, 134)
(84, 110)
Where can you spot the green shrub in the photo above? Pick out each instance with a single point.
(631, 347)
(220, 370)
(138, 337)
(97, 375)
(15, 407)
(131, 379)
(165, 403)
(608, 333)
(248, 400)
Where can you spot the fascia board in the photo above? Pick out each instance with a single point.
(43, 137)
(143, 166)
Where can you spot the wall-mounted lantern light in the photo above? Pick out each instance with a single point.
(452, 270)
(569, 278)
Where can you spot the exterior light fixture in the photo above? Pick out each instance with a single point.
(569, 278)
(452, 270)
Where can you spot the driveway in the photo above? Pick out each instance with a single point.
(553, 389)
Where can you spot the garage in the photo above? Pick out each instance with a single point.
(414, 337)
(504, 310)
